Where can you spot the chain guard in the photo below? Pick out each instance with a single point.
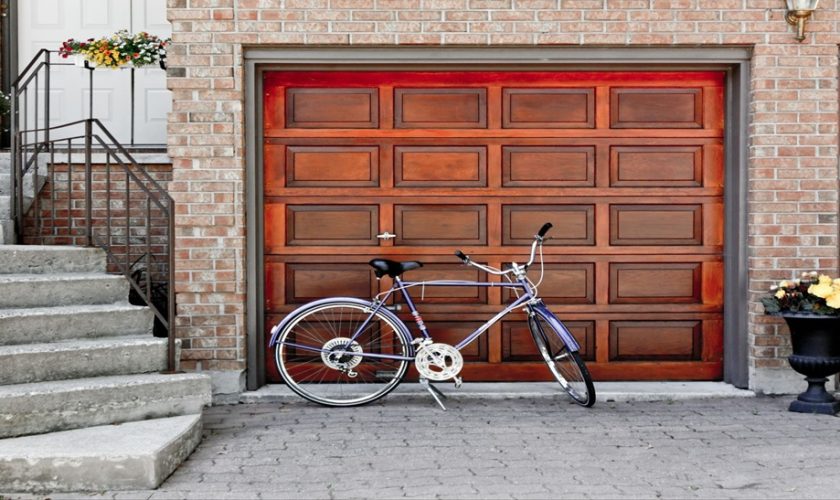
(438, 362)
(344, 362)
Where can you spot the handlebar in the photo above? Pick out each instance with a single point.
(544, 229)
(538, 240)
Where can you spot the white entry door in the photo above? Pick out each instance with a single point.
(46, 23)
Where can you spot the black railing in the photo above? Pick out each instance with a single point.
(94, 194)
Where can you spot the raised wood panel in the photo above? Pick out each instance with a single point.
(548, 166)
(656, 225)
(518, 345)
(566, 283)
(332, 108)
(453, 332)
(548, 108)
(638, 283)
(656, 108)
(573, 224)
(656, 166)
(332, 166)
(425, 225)
(447, 294)
(655, 340)
(332, 225)
(440, 108)
(455, 166)
(311, 281)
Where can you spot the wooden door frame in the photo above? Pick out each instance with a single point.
(733, 61)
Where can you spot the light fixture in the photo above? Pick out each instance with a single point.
(798, 11)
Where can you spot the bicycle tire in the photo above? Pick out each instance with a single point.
(566, 365)
(323, 378)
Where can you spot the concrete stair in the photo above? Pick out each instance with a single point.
(29, 192)
(133, 455)
(75, 360)
(44, 290)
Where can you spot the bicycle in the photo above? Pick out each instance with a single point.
(343, 351)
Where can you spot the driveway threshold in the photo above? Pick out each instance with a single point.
(605, 391)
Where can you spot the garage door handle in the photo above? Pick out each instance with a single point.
(386, 236)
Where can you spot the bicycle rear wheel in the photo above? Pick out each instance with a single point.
(567, 366)
(318, 360)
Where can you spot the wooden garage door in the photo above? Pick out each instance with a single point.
(628, 166)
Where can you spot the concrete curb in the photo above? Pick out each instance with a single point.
(605, 391)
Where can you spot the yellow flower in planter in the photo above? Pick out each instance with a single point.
(784, 284)
(780, 293)
(824, 280)
(820, 290)
(833, 300)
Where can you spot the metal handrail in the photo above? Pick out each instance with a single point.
(70, 225)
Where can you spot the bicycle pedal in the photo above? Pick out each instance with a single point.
(458, 382)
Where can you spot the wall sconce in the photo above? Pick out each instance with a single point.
(798, 11)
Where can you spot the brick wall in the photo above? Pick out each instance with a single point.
(793, 134)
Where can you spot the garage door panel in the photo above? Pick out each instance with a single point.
(332, 108)
(434, 166)
(656, 340)
(566, 283)
(656, 224)
(639, 283)
(518, 345)
(656, 108)
(548, 166)
(449, 294)
(311, 281)
(440, 108)
(332, 225)
(573, 224)
(332, 166)
(429, 225)
(453, 332)
(548, 108)
(656, 166)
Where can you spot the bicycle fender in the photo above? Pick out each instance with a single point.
(558, 325)
(276, 329)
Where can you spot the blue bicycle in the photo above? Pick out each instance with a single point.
(343, 351)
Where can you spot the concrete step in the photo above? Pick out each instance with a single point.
(131, 456)
(72, 404)
(29, 363)
(51, 324)
(38, 259)
(45, 290)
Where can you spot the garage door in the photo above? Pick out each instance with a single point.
(628, 166)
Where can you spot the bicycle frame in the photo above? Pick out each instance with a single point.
(527, 297)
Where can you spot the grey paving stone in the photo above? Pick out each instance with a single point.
(513, 448)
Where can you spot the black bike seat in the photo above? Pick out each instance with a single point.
(381, 267)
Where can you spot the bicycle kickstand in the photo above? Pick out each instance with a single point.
(434, 391)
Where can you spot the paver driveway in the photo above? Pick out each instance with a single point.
(511, 448)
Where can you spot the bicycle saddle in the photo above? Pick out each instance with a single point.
(381, 267)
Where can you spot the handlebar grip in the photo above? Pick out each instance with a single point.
(545, 229)
(461, 256)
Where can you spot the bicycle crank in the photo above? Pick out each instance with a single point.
(439, 362)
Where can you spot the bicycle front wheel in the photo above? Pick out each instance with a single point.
(319, 358)
(567, 366)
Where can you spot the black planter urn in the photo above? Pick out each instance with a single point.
(816, 354)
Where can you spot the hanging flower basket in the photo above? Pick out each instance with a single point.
(120, 50)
